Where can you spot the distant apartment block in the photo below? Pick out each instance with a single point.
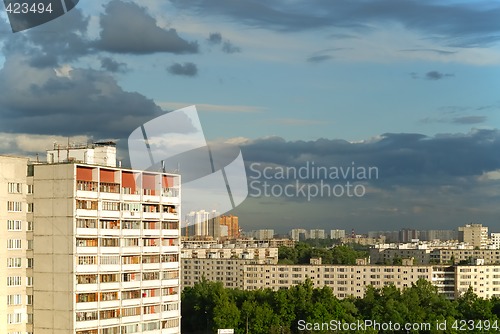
(233, 228)
(433, 254)
(317, 234)
(473, 234)
(495, 240)
(224, 264)
(265, 234)
(337, 234)
(299, 234)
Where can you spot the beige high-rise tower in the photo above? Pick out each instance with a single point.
(90, 249)
(16, 256)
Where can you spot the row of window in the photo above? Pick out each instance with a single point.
(17, 225)
(125, 242)
(16, 262)
(126, 312)
(18, 299)
(13, 206)
(17, 281)
(134, 328)
(117, 206)
(127, 277)
(17, 188)
(92, 297)
(126, 259)
(126, 224)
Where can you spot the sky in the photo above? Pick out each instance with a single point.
(407, 87)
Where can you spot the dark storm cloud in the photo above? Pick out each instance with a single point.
(215, 38)
(79, 101)
(402, 159)
(470, 119)
(229, 47)
(128, 28)
(113, 66)
(435, 75)
(186, 69)
(60, 40)
(462, 25)
(437, 51)
(319, 59)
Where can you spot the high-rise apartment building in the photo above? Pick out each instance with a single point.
(16, 242)
(474, 234)
(233, 229)
(337, 234)
(94, 248)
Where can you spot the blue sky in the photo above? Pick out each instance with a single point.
(412, 85)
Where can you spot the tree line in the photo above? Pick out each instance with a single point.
(208, 306)
(339, 254)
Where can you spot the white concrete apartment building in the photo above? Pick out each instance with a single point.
(484, 280)
(98, 248)
(16, 255)
(222, 263)
(344, 280)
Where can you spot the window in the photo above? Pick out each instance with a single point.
(30, 263)
(86, 297)
(86, 279)
(111, 206)
(110, 278)
(14, 281)
(29, 226)
(86, 223)
(14, 206)
(30, 189)
(14, 244)
(14, 262)
(14, 318)
(14, 225)
(31, 207)
(86, 205)
(29, 281)
(87, 260)
(110, 314)
(15, 188)
(86, 316)
(113, 259)
(128, 312)
(29, 299)
(14, 300)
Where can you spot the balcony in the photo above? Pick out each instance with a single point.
(131, 267)
(109, 250)
(86, 306)
(131, 250)
(151, 215)
(109, 267)
(109, 304)
(169, 249)
(86, 213)
(131, 319)
(131, 197)
(170, 265)
(173, 330)
(151, 300)
(110, 214)
(86, 250)
(131, 302)
(170, 282)
(151, 249)
(131, 232)
(131, 214)
(170, 314)
(109, 286)
(131, 284)
(171, 298)
(86, 231)
(86, 194)
(151, 199)
(81, 269)
(86, 324)
(107, 231)
(170, 233)
(150, 266)
(151, 232)
(154, 316)
(111, 196)
(151, 283)
(86, 287)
